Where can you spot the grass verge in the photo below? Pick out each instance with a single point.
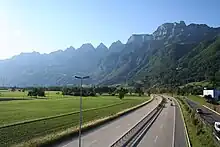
(200, 134)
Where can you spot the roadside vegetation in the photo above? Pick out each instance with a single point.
(200, 134)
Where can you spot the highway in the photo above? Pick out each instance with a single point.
(209, 116)
(167, 130)
(107, 134)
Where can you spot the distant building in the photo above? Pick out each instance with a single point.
(214, 93)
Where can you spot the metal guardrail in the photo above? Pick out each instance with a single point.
(128, 136)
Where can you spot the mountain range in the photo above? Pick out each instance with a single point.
(175, 52)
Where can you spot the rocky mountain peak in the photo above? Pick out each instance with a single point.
(116, 46)
(168, 30)
(118, 42)
(182, 23)
(70, 48)
(139, 38)
(101, 46)
(115, 43)
(87, 46)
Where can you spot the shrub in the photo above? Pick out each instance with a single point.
(121, 95)
(195, 121)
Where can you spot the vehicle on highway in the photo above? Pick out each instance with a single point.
(217, 130)
(171, 104)
(199, 111)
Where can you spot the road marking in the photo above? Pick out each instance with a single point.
(68, 144)
(161, 126)
(92, 142)
(118, 127)
(155, 140)
(174, 122)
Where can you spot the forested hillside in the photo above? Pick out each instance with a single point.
(176, 53)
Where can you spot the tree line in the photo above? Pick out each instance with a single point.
(87, 91)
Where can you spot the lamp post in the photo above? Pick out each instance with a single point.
(80, 106)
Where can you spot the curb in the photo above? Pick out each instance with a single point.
(186, 131)
(211, 109)
(53, 139)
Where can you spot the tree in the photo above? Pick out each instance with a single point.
(131, 90)
(139, 91)
(148, 92)
(41, 92)
(13, 89)
(37, 92)
(121, 93)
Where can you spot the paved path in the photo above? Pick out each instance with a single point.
(107, 134)
(167, 130)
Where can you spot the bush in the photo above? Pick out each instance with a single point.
(195, 121)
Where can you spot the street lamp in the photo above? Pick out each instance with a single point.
(80, 106)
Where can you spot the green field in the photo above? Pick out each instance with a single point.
(18, 94)
(21, 110)
(198, 99)
(10, 94)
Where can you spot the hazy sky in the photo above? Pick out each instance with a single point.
(48, 25)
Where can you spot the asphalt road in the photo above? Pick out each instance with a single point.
(168, 129)
(208, 116)
(107, 134)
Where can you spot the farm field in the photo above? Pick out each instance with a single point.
(46, 110)
(20, 94)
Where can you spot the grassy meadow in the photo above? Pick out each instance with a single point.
(46, 111)
(20, 94)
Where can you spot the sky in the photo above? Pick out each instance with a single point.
(49, 25)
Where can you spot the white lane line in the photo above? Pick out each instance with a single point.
(94, 141)
(118, 127)
(68, 144)
(155, 140)
(161, 126)
(174, 122)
